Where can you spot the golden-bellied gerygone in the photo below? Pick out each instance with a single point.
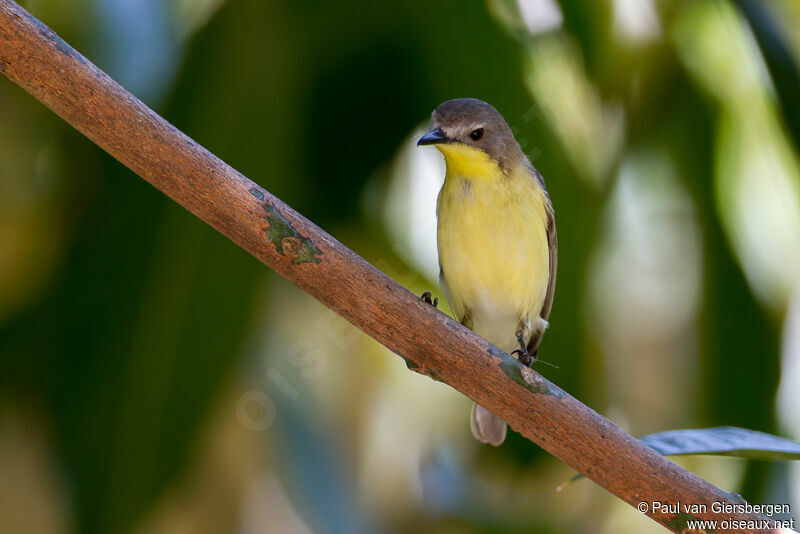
(496, 236)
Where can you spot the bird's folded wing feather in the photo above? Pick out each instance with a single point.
(552, 244)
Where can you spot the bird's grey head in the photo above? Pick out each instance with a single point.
(477, 124)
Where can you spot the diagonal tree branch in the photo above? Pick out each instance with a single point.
(38, 60)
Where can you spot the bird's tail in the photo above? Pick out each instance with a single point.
(486, 426)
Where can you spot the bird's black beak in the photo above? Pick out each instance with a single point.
(433, 137)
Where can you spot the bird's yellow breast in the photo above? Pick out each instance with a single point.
(492, 241)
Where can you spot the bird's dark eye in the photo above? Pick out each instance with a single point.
(476, 134)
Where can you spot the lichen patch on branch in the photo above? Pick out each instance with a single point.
(287, 240)
(525, 376)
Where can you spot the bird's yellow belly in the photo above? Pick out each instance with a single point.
(493, 252)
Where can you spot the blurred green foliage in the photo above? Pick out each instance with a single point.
(127, 322)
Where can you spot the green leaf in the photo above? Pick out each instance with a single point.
(718, 441)
(723, 441)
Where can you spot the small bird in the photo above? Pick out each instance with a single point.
(496, 236)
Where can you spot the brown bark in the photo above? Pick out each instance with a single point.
(38, 60)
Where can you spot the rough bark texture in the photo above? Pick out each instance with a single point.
(38, 60)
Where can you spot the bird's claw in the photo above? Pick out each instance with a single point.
(524, 357)
(427, 297)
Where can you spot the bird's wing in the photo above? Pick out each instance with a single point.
(552, 244)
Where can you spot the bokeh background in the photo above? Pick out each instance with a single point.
(156, 379)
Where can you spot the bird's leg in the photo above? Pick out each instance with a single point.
(426, 297)
(523, 333)
(522, 354)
